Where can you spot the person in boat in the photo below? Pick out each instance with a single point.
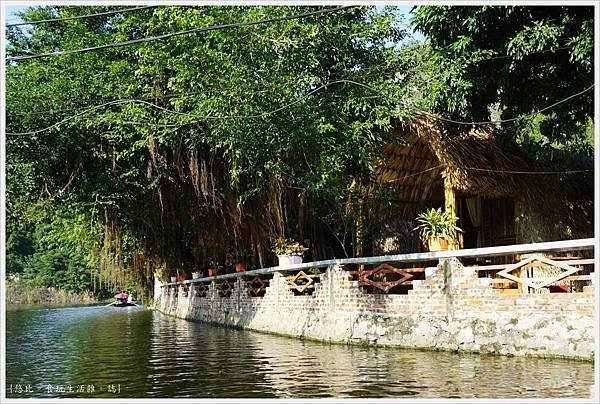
(123, 297)
(130, 299)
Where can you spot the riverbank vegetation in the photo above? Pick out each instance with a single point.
(170, 153)
(21, 292)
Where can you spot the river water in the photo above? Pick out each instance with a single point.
(102, 352)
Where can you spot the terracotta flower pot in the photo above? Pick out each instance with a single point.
(213, 271)
(241, 267)
(437, 243)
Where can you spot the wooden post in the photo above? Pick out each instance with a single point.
(450, 205)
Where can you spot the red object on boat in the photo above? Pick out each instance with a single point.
(121, 295)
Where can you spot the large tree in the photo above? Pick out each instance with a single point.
(505, 62)
(200, 141)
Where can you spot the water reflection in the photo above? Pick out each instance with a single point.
(151, 355)
(330, 370)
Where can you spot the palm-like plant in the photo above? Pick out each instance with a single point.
(283, 246)
(437, 223)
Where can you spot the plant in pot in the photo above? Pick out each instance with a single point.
(437, 228)
(288, 251)
(213, 267)
(239, 258)
(198, 254)
(162, 274)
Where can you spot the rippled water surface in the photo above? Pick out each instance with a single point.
(130, 352)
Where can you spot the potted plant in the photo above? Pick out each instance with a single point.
(162, 274)
(213, 267)
(196, 274)
(437, 228)
(288, 251)
(239, 258)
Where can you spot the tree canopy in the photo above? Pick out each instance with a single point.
(498, 63)
(172, 152)
(172, 139)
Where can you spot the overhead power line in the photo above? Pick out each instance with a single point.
(187, 114)
(489, 170)
(77, 17)
(530, 115)
(172, 34)
(528, 172)
(219, 91)
(264, 114)
(525, 54)
(417, 173)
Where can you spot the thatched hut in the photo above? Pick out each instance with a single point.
(494, 193)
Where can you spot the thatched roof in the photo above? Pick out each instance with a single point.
(419, 156)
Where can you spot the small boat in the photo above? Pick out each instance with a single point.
(123, 300)
(121, 304)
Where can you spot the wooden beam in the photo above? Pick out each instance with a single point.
(450, 205)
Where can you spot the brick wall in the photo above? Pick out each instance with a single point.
(451, 310)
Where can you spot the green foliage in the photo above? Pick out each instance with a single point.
(314, 271)
(162, 273)
(238, 255)
(19, 245)
(505, 62)
(212, 263)
(283, 246)
(436, 223)
(55, 267)
(58, 250)
(209, 124)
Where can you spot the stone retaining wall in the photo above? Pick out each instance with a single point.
(451, 310)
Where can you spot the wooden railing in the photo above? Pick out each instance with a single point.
(540, 274)
(303, 282)
(257, 285)
(385, 276)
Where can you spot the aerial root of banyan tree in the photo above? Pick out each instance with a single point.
(194, 216)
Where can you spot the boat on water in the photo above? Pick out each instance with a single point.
(123, 300)
(119, 304)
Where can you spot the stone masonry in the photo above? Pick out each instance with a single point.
(452, 310)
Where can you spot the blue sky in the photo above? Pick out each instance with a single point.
(11, 10)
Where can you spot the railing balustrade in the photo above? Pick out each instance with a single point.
(201, 289)
(257, 286)
(304, 282)
(388, 277)
(547, 267)
(539, 273)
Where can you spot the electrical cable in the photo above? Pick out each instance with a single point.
(175, 95)
(187, 114)
(77, 16)
(160, 96)
(209, 117)
(172, 34)
(527, 172)
(530, 115)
